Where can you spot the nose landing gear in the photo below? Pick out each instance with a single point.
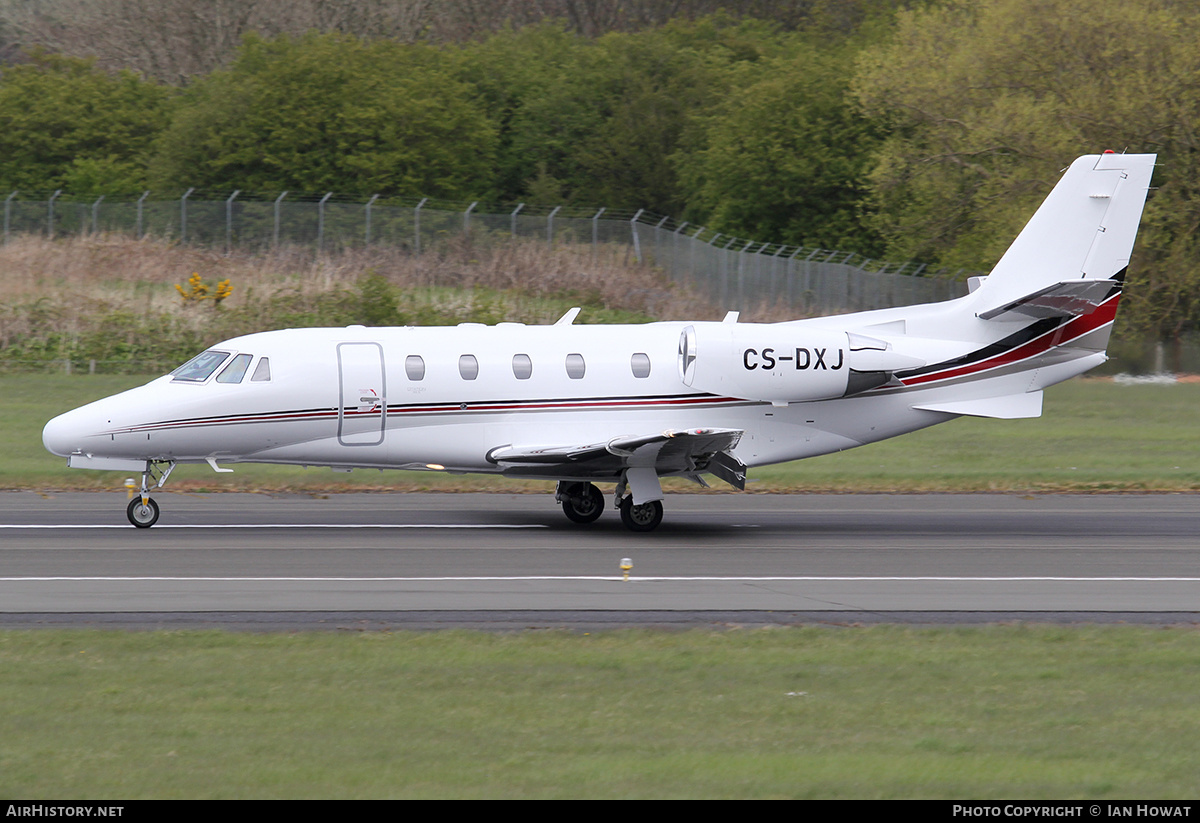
(142, 511)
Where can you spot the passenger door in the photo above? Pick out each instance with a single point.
(362, 409)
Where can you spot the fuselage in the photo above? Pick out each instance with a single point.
(444, 397)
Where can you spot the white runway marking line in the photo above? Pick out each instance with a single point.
(618, 578)
(289, 526)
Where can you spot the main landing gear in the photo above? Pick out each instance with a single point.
(641, 518)
(142, 511)
(583, 503)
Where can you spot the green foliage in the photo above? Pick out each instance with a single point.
(597, 121)
(377, 301)
(65, 125)
(786, 157)
(330, 113)
(984, 103)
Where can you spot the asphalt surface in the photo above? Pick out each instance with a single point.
(364, 561)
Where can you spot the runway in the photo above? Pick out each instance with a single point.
(300, 561)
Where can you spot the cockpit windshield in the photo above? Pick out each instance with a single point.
(200, 367)
(236, 370)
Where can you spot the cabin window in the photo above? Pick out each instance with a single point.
(468, 367)
(575, 366)
(640, 363)
(200, 367)
(414, 367)
(236, 370)
(262, 372)
(522, 366)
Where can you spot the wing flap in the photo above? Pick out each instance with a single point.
(669, 452)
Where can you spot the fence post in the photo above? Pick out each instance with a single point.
(7, 214)
(374, 197)
(275, 234)
(637, 246)
(321, 223)
(140, 204)
(229, 222)
(417, 225)
(183, 215)
(550, 226)
(596, 228)
(95, 210)
(50, 216)
(512, 219)
(467, 217)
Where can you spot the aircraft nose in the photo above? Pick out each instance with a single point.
(63, 435)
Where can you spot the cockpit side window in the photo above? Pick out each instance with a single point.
(236, 370)
(200, 367)
(262, 372)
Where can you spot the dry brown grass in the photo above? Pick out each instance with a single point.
(113, 300)
(111, 267)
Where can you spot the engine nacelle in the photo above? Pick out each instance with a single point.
(783, 363)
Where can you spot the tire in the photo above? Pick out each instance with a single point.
(583, 503)
(643, 518)
(142, 516)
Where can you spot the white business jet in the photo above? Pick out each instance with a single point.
(631, 404)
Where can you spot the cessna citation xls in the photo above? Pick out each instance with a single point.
(629, 405)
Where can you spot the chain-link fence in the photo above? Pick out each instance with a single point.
(733, 272)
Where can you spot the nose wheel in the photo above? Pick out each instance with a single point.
(142, 511)
(142, 515)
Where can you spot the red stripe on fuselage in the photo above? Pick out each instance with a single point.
(1074, 328)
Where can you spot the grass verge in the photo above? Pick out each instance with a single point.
(881, 712)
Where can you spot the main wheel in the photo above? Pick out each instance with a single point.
(643, 518)
(582, 503)
(142, 515)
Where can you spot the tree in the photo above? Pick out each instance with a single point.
(985, 102)
(786, 157)
(330, 113)
(66, 125)
(598, 120)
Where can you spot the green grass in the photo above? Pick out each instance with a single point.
(1094, 435)
(883, 712)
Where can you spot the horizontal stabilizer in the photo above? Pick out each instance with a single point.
(1066, 299)
(1007, 407)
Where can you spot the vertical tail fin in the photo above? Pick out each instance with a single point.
(1083, 231)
